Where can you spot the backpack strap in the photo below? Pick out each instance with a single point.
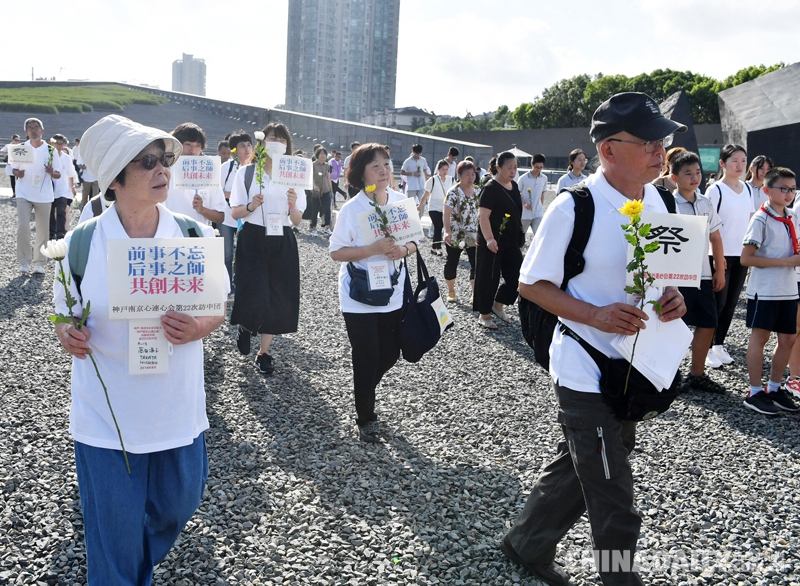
(574, 262)
(97, 205)
(230, 169)
(189, 227)
(79, 250)
(249, 173)
(669, 199)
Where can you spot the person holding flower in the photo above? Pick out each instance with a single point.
(499, 240)
(461, 226)
(591, 472)
(135, 497)
(532, 186)
(373, 325)
(267, 263)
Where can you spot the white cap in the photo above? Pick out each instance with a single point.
(114, 141)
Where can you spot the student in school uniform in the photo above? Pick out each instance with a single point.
(531, 186)
(577, 163)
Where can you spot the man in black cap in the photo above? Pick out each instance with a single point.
(591, 472)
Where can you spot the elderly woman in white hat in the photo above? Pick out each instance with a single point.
(131, 519)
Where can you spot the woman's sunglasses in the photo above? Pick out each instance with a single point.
(149, 161)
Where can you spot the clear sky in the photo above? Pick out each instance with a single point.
(453, 56)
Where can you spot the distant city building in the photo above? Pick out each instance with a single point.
(189, 75)
(341, 59)
(401, 118)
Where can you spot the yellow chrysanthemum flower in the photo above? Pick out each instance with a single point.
(370, 188)
(632, 208)
(508, 215)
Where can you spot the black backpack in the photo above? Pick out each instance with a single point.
(537, 323)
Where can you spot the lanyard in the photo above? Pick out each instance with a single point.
(786, 222)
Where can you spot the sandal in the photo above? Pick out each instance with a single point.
(487, 323)
(451, 298)
(501, 315)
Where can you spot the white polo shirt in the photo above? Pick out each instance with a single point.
(602, 281)
(569, 180)
(412, 165)
(531, 189)
(180, 201)
(772, 240)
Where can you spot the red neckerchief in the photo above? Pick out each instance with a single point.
(786, 222)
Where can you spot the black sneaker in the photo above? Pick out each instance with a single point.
(783, 400)
(264, 364)
(704, 383)
(243, 341)
(761, 403)
(551, 574)
(369, 432)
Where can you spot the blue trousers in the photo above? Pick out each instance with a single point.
(131, 520)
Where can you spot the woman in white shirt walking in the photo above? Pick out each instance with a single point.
(436, 188)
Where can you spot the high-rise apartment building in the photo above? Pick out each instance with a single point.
(189, 75)
(341, 59)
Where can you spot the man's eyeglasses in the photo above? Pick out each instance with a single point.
(149, 161)
(650, 146)
(786, 190)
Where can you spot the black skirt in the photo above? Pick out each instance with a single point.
(267, 281)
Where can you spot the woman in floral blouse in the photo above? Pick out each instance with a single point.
(461, 226)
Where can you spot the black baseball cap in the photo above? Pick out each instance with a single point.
(632, 112)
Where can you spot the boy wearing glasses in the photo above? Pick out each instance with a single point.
(771, 248)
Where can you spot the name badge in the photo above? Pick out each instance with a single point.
(148, 347)
(379, 275)
(37, 180)
(445, 319)
(274, 224)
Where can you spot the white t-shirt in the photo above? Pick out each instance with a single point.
(76, 152)
(37, 186)
(771, 239)
(155, 412)
(227, 176)
(347, 233)
(451, 170)
(86, 174)
(759, 196)
(569, 180)
(180, 201)
(275, 200)
(531, 189)
(438, 191)
(602, 281)
(63, 188)
(735, 212)
(412, 165)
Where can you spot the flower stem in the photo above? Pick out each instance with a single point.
(114, 417)
(630, 364)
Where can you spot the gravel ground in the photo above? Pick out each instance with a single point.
(294, 498)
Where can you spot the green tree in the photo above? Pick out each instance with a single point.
(750, 73)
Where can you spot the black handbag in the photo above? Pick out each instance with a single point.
(642, 400)
(360, 291)
(419, 324)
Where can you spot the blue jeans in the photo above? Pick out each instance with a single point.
(229, 234)
(131, 521)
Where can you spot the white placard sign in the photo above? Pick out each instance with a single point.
(679, 258)
(196, 172)
(148, 347)
(292, 172)
(149, 276)
(21, 154)
(403, 221)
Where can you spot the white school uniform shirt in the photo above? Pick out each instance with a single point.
(275, 199)
(438, 191)
(569, 180)
(734, 211)
(155, 412)
(759, 196)
(451, 170)
(772, 240)
(701, 206)
(86, 174)
(36, 186)
(76, 152)
(62, 187)
(180, 201)
(536, 185)
(412, 165)
(347, 233)
(602, 281)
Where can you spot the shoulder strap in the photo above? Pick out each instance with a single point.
(79, 249)
(189, 227)
(249, 173)
(230, 169)
(97, 205)
(719, 203)
(669, 199)
(574, 262)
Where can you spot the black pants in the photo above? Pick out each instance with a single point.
(58, 218)
(453, 255)
(728, 297)
(13, 185)
(438, 223)
(337, 189)
(590, 473)
(321, 206)
(375, 342)
(489, 267)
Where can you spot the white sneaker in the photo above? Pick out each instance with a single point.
(314, 233)
(38, 270)
(712, 360)
(722, 354)
(25, 269)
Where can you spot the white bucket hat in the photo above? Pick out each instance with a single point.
(113, 142)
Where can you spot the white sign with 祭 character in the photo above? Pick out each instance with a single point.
(21, 154)
(403, 221)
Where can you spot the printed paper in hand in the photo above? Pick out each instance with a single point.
(21, 154)
(660, 347)
(292, 172)
(148, 347)
(196, 172)
(404, 223)
(678, 261)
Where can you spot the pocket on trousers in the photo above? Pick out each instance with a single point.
(589, 445)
